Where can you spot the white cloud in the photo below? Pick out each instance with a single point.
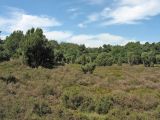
(88, 40)
(132, 11)
(58, 35)
(19, 20)
(3, 37)
(132, 2)
(99, 39)
(91, 18)
(127, 12)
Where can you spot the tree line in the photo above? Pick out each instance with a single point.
(34, 49)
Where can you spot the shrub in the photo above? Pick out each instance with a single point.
(47, 90)
(88, 68)
(158, 112)
(73, 102)
(83, 103)
(9, 79)
(133, 59)
(158, 59)
(119, 62)
(148, 59)
(80, 102)
(12, 42)
(4, 56)
(2, 113)
(88, 105)
(70, 116)
(41, 109)
(59, 57)
(81, 117)
(83, 59)
(50, 90)
(104, 59)
(104, 105)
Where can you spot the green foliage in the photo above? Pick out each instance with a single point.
(119, 52)
(12, 42)
(10, 110)
(119, 63)
(92, 56)
(148, 58)
(88, 68)
(145, 59)
(83, 59)
(78, 102)
(4, 53)
(134, 47)
(133, 58)
(107, 48)
(82, 49)
(73, 102)
(41, 109)
(4, 56)
(54, 44)
(158, 59)
(58, 57)
(70, 52)
(86, 104)
(104, 59)
(113, 93)
(36, 49)
(104, 105)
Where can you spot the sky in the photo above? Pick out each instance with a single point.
(89, 22)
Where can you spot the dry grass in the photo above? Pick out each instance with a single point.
(135, 92)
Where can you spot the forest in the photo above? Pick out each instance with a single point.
(34, 49)
(42, 79)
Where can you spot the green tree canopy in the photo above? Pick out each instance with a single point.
(104, 59)
(12, 42)
(36, 49)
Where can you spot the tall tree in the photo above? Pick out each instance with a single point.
(12, 42)
(36, 49)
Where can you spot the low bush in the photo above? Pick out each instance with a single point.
(83, 60)
(47, 90)
(2, 113)
(88, 68)
(104, 59)
(9, 79)
(71, 116)
(4, 56)
(75, 102)
(87, 104)
(104, 105)
(157, 112)
(41, 109)
(119, 62)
